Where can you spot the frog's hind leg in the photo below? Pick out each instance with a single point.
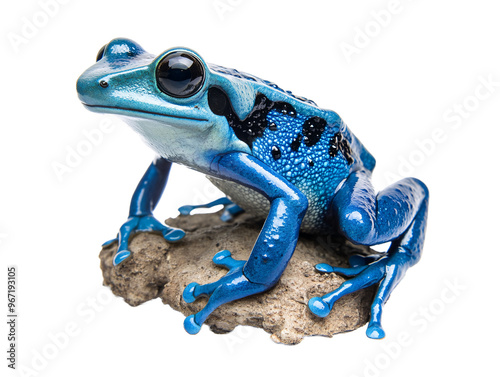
(398, 214)
(231, 210)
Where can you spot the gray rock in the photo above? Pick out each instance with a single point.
(159, 269)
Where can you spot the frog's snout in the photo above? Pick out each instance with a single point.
(120, 55)
(88, 87)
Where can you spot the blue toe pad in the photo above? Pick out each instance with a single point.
(323, 267)
(375, 332)
(191, 326)
(175, 235)
(188, 294)
(120, 257)
(319, 307)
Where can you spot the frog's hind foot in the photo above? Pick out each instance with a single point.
(322, 306)
(231, 210)
(386, 271)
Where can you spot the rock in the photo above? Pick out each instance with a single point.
(159, 269)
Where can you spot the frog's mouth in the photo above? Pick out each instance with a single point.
(127, 111)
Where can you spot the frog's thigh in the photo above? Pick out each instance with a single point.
(367, 218)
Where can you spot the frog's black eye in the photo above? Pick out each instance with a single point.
(180, 74)
(100, 53)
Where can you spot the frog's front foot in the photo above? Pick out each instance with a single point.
(136, 224)
(387, 270)
(234, 285)
(231, 210)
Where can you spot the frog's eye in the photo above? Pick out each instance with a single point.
(100, 53)
(180, 74)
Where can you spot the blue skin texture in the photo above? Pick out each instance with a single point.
(275, 155)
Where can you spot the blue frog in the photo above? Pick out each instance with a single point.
(274, 154)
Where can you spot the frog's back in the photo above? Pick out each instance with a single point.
(310, 147)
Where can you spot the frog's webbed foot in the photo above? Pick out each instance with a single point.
(387, 270)
(231, 210)
(136, 224)
(232, 286)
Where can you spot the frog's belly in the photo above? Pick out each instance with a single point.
(256, 204)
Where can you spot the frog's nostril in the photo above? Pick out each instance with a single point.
(103, 84)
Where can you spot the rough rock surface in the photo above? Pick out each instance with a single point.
(159, 269)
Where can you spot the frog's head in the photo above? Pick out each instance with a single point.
(174, 100)
(173, 88)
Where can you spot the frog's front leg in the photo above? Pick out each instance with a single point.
(398, 214)
(141, 219)
(274, 246)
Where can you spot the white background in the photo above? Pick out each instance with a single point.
(393, 92)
